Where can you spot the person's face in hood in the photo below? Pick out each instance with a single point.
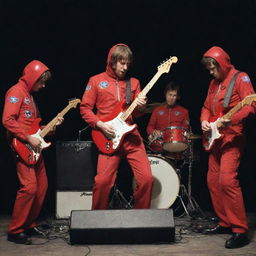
(38, 85)
(121, 67)
(214, 71)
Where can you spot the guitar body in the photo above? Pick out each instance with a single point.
(110, 145)
(209, 138)
(24, 150)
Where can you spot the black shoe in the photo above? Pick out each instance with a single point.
(19, 238)
(237, 240)
(35, 231)
(217, 230)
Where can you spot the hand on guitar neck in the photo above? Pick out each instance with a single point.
(141, 102)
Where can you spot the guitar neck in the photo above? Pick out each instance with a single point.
(53, 122)
(232, 111)
(146, 89)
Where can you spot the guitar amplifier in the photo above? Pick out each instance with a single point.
(67, 201)
(76, 165)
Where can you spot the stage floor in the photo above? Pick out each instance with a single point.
(188, 242)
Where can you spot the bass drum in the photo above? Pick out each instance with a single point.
(166, 182)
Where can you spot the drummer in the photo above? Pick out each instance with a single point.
(166, 115)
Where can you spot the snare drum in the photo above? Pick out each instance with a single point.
(175, 139)
(166, 183)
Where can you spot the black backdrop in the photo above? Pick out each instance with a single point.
(73, 38)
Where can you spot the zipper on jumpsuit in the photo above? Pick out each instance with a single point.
(214, 100)
(117, 90)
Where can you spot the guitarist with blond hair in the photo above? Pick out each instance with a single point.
(227, 88)
(19, 113)
(105, 91)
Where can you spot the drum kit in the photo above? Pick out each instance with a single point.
(168, 154)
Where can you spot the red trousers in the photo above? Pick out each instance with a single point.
(224, 186)
(133, 149)
(30, 196)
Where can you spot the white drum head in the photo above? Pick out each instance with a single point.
(166, 183)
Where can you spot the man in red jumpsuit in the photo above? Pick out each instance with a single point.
(19, 113)
(225, 155)
(104, 91)
(167, 115)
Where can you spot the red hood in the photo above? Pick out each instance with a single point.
(109, 68)
(32, 72)
(221, 57)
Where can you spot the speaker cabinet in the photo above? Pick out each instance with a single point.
(76, 165)
(122, 226)
(66, 201)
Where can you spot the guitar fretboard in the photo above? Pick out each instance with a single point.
(54, 121)
(146, 89)
(246, 101)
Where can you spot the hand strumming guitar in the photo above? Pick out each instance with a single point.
(106, 129)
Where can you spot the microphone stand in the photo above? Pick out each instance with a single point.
(80, 131)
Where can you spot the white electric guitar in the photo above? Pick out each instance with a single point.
(209, 138)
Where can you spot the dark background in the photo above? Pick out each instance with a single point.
(73, 38)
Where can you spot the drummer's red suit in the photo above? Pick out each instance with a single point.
(19, 113)
(224, 158)
(164, 116)
(104, 91)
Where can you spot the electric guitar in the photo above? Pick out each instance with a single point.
(209, 138)
(25, 151)
(120, 114)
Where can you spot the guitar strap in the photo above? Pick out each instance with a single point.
(229, 90)
(128, 91)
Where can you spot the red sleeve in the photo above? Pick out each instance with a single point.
(13, 102)
(185, 123)
(88, 103)
(205, 112)
(152, 122)
(244, 88)
(137, 113)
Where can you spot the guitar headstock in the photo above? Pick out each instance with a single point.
(73, 103)
(249, 99)
(165, 66)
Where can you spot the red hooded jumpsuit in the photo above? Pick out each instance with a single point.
(224, 158)
(104, 91)
(19, 113)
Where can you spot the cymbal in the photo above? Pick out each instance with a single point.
(150, 107)
(193, 136)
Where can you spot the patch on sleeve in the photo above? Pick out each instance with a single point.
(28, 113)
(177, 113)
(27, 100)
(88, 88)
(13, 99)
(246, 79)
(103, 84)
(161, 112)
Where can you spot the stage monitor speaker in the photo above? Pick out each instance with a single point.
(76, 165)
(144, 226)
